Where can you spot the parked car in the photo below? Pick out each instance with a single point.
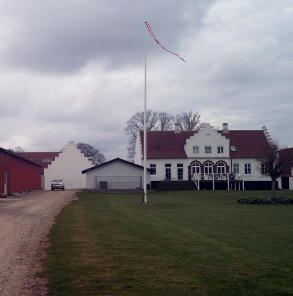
(57, 184)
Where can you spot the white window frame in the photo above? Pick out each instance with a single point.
(153, 169)
(195, 149)
(208, 168)
(263, 168)
(220, 149)
(208, 149)
(247, 168)
(221, 167)
(236, 168)
(180, 171)
(195, 168)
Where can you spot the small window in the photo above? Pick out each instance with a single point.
(195, 149)
(167, 165)
(263, 169)
(236, 168)
(179, 165)
(247, 169)
(153, 168)
(208, 149)
(220, 149)
(46, 160)
(232, 148)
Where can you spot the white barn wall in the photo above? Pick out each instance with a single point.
(68, 166)
(115, 168)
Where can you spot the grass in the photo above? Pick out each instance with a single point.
(188, 243)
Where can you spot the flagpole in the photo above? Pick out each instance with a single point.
(144, 124)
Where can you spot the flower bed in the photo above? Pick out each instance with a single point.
(266, 200)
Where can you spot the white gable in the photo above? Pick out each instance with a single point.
(68, 166)
(207, 137)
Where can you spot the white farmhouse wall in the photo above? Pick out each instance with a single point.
(291, 183)
(68, 166)
(138, 151)
(115, 168)
(207, 136)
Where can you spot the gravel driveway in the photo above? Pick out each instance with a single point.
(25, 221)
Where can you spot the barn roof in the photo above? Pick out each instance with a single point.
(168, 144)
(111, 161)
(38, 157)
(18, 156)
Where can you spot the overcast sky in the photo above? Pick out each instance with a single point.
(73, 70)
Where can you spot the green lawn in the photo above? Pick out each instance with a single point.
(187, 243)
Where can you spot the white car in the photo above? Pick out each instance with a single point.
(57, 184)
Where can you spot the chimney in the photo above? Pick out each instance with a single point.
(225, 128)
(177, 128)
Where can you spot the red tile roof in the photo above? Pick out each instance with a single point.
(247, 142)
(168, 144)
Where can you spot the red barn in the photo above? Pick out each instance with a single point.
(18, 173)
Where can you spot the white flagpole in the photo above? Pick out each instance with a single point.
(144, 132)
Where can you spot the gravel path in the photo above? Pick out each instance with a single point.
(25, 221)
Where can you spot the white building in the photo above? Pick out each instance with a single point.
(68, 166)
(115, 174)
(212, 159)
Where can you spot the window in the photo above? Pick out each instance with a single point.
(263, 169)
(168, 171)
(46, 160)
(195, 149)
(236, 168)
(195, 168)
(208, 149)
(180, 171)
(153, 168)
(221, 168)
(247, 169)
(232, 148)
(220, 149)
(208, 168)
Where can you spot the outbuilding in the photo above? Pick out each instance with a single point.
(116, 174)
(18, 173)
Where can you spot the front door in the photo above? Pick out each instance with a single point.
(5, 183)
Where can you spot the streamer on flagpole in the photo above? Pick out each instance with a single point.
(151, 32)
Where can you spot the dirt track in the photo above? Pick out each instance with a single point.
(24, 225)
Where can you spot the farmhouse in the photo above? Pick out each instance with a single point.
(18, 173)
(116, 174)
(208, 158)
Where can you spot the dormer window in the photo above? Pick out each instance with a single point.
(232, 148)
(220, 149)
(195, 149)
(208, 149)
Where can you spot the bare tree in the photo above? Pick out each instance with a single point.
(274, 161)
(166, 121)
(136, 124)
(188, 121)
(17, 149)
(92, 153)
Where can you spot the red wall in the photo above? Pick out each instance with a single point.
(4, 169)
(22, 174)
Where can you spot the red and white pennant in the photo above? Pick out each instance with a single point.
(151, 32)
